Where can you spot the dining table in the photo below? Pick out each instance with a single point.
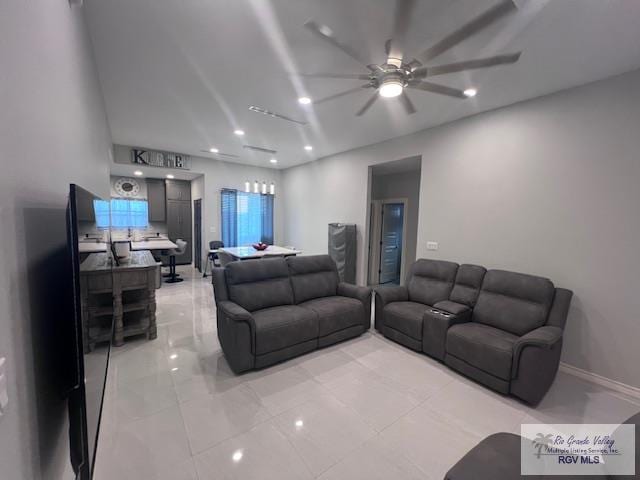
(250, 253)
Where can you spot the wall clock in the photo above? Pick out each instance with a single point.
(127, 187)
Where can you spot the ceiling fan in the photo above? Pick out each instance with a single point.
(399, 72)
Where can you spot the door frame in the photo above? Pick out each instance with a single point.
(376, 236)
(197, 233)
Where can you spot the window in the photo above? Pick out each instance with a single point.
(121, 213)
(246, 218)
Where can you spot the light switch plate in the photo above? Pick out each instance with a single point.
(4, 394)
(432, 245)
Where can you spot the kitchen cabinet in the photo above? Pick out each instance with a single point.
(156, 198)
(178, 190)
(179, 225)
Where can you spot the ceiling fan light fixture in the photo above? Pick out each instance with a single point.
(391, 88)
(470, 92)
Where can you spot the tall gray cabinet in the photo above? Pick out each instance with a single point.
(178, 194)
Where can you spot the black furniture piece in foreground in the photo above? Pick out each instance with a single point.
(272, 309)
(498, 457)
(502, 329)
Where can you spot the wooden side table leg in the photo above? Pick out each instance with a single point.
(153, 329)
(118, 332)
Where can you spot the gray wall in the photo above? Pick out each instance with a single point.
(53, 131)
(548, 186)
(402, 185)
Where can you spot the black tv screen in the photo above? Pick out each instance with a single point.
(90, 330)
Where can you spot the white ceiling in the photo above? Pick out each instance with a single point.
(179, 75)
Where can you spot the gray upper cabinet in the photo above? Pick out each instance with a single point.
(178, 190)
(156, 199)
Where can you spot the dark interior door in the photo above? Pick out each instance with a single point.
(197, 233)
(391, 242)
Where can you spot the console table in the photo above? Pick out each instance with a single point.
(120, 295)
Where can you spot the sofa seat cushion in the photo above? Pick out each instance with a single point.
(284, 326)
(482, 346)
(336, 313)
(406, 317)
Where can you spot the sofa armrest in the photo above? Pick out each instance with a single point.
(544, 338)
(363, 294)
(435, 324)
(237, 335)
(536, 358)
(235, 312)
(385, 295)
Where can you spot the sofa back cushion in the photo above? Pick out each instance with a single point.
(431, 281)
(514, 302)
(313, 276)
(467, 285)
(258, 284)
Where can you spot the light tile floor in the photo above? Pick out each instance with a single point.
(363, 409)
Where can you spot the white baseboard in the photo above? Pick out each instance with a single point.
(600, 380)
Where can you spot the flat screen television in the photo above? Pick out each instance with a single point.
(87, 362)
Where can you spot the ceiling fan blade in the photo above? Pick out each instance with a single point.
(396, 46)
(350, 76)
(326, 34)
(469, 29)
(407, 104)
(469, 65)
(367, 105)
(437, 88)
(340, 94)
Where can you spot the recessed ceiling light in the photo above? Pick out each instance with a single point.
(173, 356)
(308, 148)
(170, 177)
(470, 92)
(174, 369)
(299, 423)
(214, 150)
(137, 173)
(274, 160)
(239, 132)
(304, 100)
(237, 456)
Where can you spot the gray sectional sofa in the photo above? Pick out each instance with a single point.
(273, 309)
(503, 329)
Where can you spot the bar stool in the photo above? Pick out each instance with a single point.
(182, 247)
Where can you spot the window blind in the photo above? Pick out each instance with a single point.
(246, 218)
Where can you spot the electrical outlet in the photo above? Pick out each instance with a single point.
(432, 245)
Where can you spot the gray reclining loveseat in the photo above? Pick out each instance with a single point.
(503, 329)
(273, 309)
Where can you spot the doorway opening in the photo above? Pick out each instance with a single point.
(393, 222)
